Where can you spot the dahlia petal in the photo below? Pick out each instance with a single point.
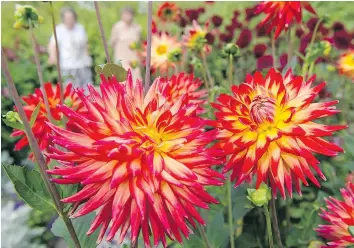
(83, 194)
(178, 169)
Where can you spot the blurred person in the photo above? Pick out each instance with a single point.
(74, 58)
(124, 36)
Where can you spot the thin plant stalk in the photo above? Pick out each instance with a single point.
(231, 219)
(37, 152)
(231, 69)
(305, 67)
(290, 44)
(104, 41)
(273, 51)
(204, 236)
(205, 77)
(275, 223)
(39, 72)
(148, 48)
(205, 64)
(60, 80)
(269, 225)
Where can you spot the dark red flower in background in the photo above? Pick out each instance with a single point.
(251, 12)
(283, 61)
(264, 62)
(337, 26)
(192, 14)
(282, 14)
(342, 39)
(182, 22)
(153, 27)
(262, 29)
(299, 32)
(217, 20)
(259, 50)
(227, 37)
(244, 39)
(210, 38)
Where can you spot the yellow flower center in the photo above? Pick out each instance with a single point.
(198, 35)
(262, 109)
(161, 49)
(349, 60)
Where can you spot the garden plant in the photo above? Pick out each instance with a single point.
(238, 135)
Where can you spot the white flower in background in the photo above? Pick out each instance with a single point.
(15, 232)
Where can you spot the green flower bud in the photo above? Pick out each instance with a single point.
(26, 15)
(175, 56)
(18, 24)
(196, 63)
(325, 19)
(327, 47)
(260, 196)
(331, 68)
(316, 244)
(231, 49)
(13, 117)
(134, 64)
(40, 19)
(133, 46)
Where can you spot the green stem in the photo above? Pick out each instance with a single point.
(40, 75)
(102, 32)
(273, 52)
(275, 222)
(231, 59)
(37, 152)
(290, 45)
(204, 236)
(148, 48)
(205, 64)
(231, 221)
(306, 64)
(205, 77)
(312, 66)
(269, 225)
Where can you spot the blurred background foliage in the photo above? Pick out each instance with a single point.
(296, 222)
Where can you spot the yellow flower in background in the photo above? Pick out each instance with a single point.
(195, 36)
(162, 47)
(346, 64)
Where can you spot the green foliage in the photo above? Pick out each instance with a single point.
(30, 187)
(110, 70)
(81, 226)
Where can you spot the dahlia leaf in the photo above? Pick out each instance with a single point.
(35, 114)
(30, 187)
(112, 69)
(81, 226)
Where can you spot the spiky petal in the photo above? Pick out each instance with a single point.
(184, 84)
(340, 216)
(281, 14)
(267, 127)
(40, 129)
(142, 162)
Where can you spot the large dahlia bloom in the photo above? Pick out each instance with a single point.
(163, 47)
(168, 12)
(141, 161)
(40, 129)
(340, 217)
(346, 64)
(281, 14)
(267, 127)
(187, 85)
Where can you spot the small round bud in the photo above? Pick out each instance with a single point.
(18, 24)
(12, 116)
(175, 56)
(326, 19)
(231, 49)
(196, 62)
(259, 196)
(133, 64)
(133, 46)
(331, 68)
(40, 19)
(327, 47)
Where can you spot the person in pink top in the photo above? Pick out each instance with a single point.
(125, 33)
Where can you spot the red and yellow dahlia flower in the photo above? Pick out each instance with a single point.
(168, 12)
(182, 84)
(280, 14)
(340, 215)
(346, 64)
(163, 47)
(267, 127)
(40, 129)
(142, 162)
(194, 37)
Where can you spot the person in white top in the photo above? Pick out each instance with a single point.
(74, 58)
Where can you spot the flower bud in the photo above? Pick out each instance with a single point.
(26, 15)
(133, 64)
(327, 47)
(175, 56)
(231, 49)
(259, 196)
(13, 117)
(133, 46)
(196, 62)
(40, 19)
(331, 68)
